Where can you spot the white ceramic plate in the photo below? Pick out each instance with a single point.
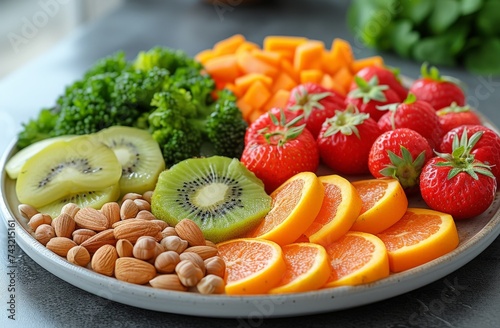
(475, 235)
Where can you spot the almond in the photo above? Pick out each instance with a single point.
(60, 245)
(80, 235)
(104, 260)
(106, 237)
(124, 248)
(136, 228)
(71, 209)
(147, 196)
(145, 215)
(111, 211)
(38, 219)
(188, 230)
(131, 196)
(168, 281)
(162, 224)
(78, 255)
(133, 270)
(27, 211)
(64, 225)
(44, 233)
(129, 209)
(142, 205)
(90, 218)
(204, 252)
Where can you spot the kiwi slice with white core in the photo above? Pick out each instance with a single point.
(16, 162)
(95, 199)
(65, 168)
(220, 194)
(139, 155)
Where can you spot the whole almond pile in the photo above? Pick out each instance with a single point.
(124, 240)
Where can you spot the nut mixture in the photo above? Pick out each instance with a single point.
(124, 240)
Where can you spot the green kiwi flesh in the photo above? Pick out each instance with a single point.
(64, 168)
(139, 155)
(220, 194)
(95, 199)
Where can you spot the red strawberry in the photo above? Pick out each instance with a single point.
(280, 150)
(263, 122)
(385, 76)
(486, 150)
(439, 91)
(456, 183)
(453, 116)
(367, 96)
(401, 154)
(345, 141)
(316, 103)
(413, 114)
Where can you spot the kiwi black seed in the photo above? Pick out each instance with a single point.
(220, 194)
(139, 155)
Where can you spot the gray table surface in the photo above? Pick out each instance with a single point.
(468, 297)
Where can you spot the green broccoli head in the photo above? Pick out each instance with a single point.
(225, 127)
(37, 129)
(163, 57)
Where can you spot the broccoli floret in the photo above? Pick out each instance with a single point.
(225, 127)
(170, 59)
(37, 129)
(111, 64)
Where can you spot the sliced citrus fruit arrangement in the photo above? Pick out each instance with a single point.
(384, 203)
(307, 268)
(357, 258)
(341, 207)
(420, 236)
(295, 204)
(253, 266)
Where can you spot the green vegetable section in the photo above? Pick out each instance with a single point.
(163, 91)
(445, 32)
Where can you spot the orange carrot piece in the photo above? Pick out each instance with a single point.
(257, 95)
(332, 62)
(229, 45)
(271, 57)
(343, 48)
(308, 55)
(255, 115)
(311, 75)
(250, 64)
(359, 64)
(280, 43)
(329, 83)
(223, 68)
(246, 46)
(283, 82)
(204, 55)
(278, 99)
(343, 78)
(245, 109)
(244, 82)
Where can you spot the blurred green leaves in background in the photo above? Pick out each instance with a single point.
(442, 32)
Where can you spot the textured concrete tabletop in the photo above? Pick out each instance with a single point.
(468, 297)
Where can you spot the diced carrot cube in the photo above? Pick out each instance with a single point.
(279, 43)
(247, 46)
(271, 57)
(223, 68)
(311, 75)
(359, 64)
(229, 45)
(343, 78)
(244, 82)
(309, 55)
(283, 82)
(250, 64)
(257, 95)
(278, 99)
(204, 55)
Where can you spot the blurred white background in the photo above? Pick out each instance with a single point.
(30, 27)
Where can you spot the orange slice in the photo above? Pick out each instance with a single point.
(384, 203)
(307, 268)
(294, 206)
(253, 266)
(341, 207)
(357, 258)
(420, 236)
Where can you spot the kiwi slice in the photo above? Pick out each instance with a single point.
(139, 155)
(220, 194)
(93, 199)
(16, 162)
(65, 168)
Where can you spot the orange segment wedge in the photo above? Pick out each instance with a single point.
(295, 205)
(253, 266)
(307, 268)
(420, 236)
(357, 258)
(341, 207)
(384, 203)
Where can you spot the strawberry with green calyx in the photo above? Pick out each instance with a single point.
(457, 183)
(401, 154)
(345, 141)
(439, 91)
(315, 103)
(280, 149)
(368, 95)
(454, 116)
(413, 114)
(386, 76)
(486, 149)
